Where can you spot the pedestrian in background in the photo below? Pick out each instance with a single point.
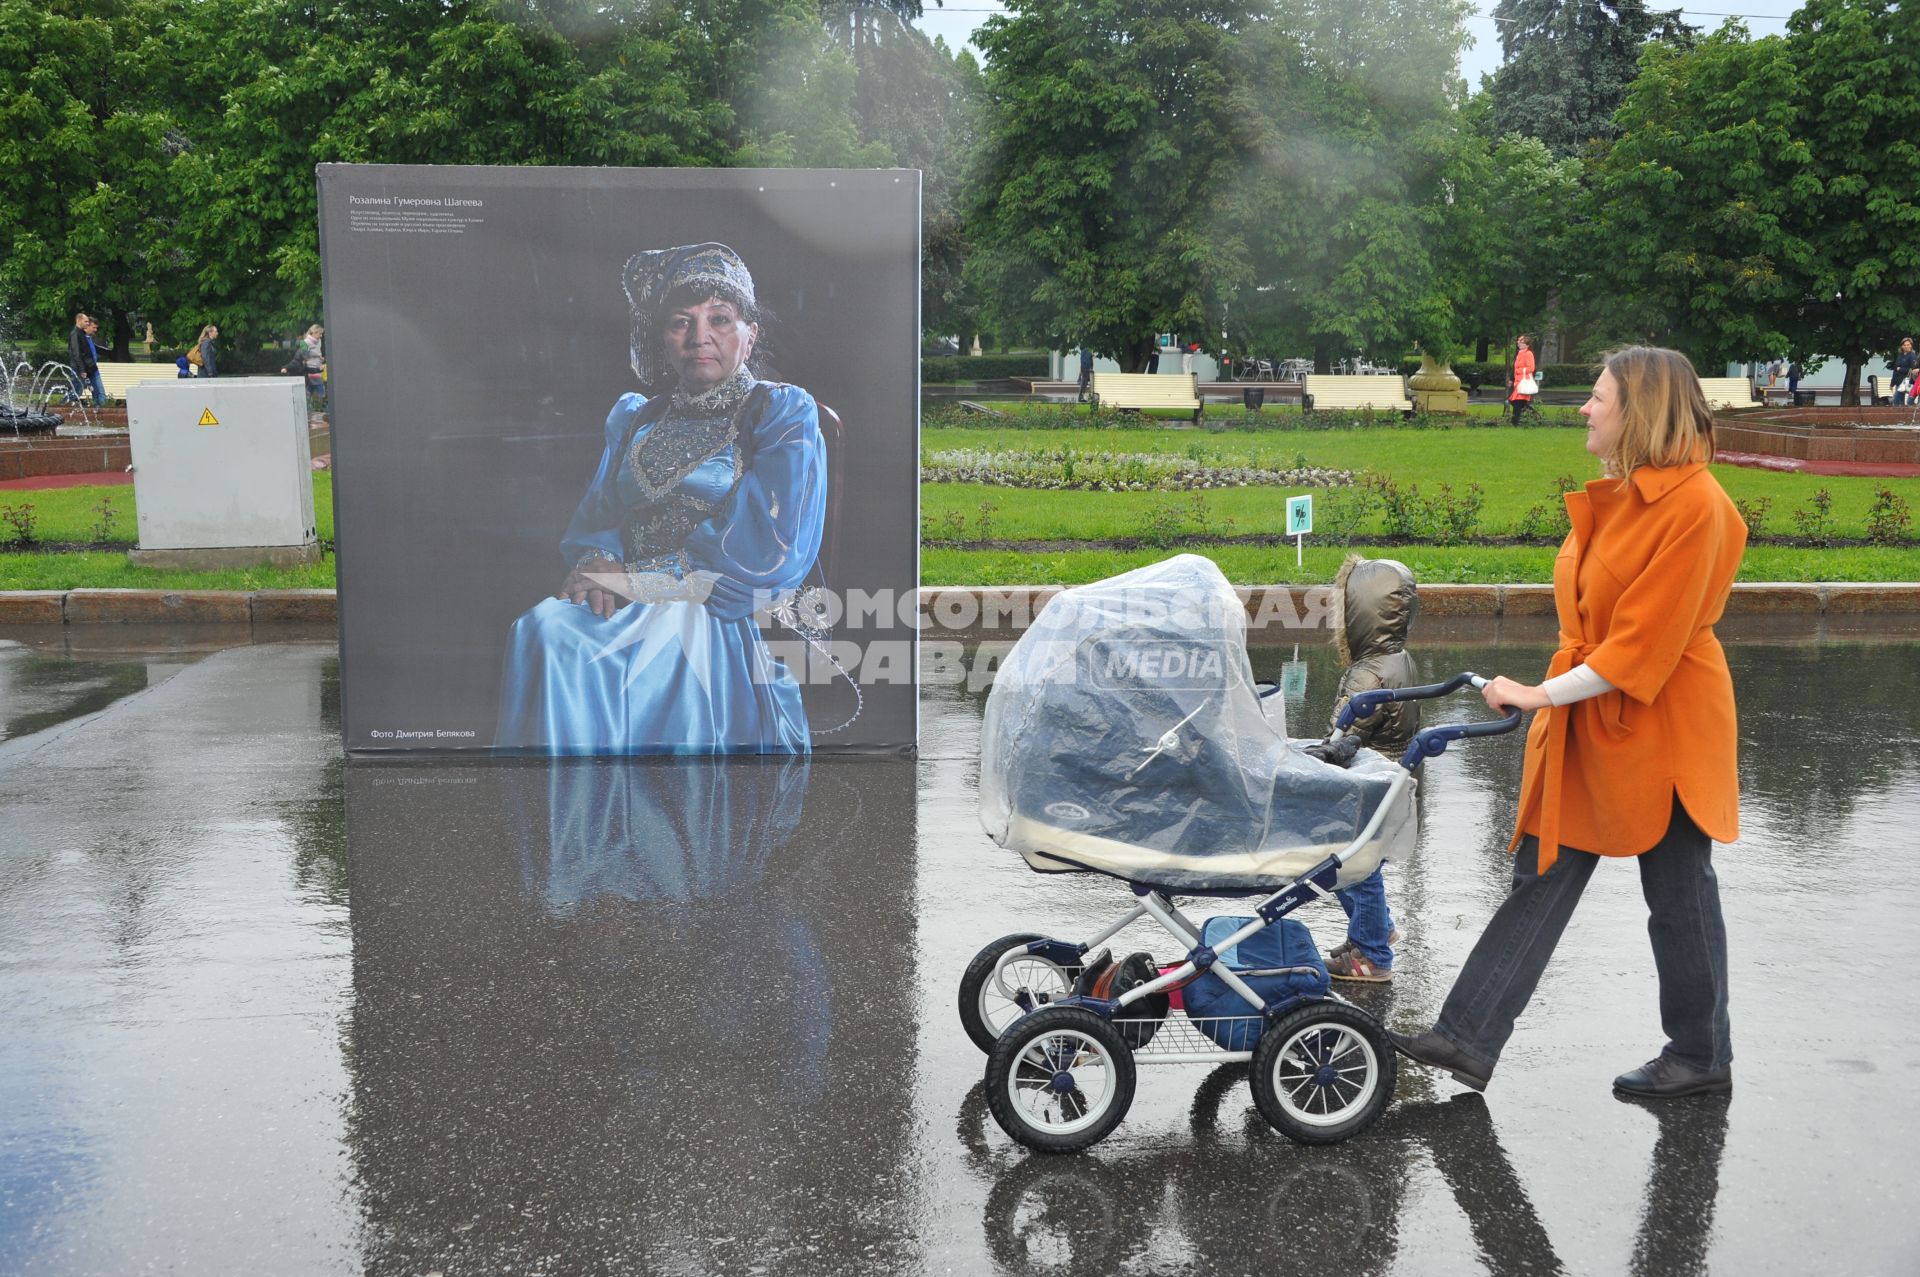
(310, 360)
(1905, 364)
(1525, 386)
(1086, 372)
(203, 355)
(83, 356)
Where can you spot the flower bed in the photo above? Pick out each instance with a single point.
(1065, 469)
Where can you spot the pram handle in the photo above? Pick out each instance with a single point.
(1433, 741)
(1363, 704)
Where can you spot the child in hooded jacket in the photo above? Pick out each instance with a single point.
(1378, 600)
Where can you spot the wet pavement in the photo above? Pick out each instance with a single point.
(267, 1011)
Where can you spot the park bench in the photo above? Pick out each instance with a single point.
(115, 378)
(1322, 391)
(1730, 392)
(1135, 391)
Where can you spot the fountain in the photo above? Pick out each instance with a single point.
(1882, 441)
(26, 392)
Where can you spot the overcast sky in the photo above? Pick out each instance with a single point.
(955, 22)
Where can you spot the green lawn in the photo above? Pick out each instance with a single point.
(1263, 565)
(107, 513)
(1516, 468)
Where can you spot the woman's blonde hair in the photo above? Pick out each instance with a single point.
(1664, 417)
(205, 333)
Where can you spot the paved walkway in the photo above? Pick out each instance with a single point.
(1794, 465)
(93, 479)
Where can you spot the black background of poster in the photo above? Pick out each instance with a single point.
(472, 371)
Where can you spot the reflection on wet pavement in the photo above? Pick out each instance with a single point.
(268, 1011)
(39, 690)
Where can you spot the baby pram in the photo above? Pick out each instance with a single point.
(1125, 735)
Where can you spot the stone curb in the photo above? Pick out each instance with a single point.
(958, 609)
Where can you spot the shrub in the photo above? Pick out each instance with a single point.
(1163, 525)
(1753, 513)
(1402, 512)
(1452, 519)
(1547, 520)
(1888, 518)
(1343, 511)
(105, 516)
(943, 368)
(1816, 521)
(19, 525)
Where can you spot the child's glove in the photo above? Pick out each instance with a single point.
(1336, 750)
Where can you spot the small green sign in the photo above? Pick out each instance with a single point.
(1293, 679)
(1299, 515)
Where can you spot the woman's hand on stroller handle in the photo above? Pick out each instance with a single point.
(1363, 704)
(1503, 693)
(1434, 740)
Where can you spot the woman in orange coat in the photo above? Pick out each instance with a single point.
(1523, 367)
(1633, 753)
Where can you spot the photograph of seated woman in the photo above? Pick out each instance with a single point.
(707, 504)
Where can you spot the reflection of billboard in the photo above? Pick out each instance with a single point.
(607, 1017)
(627, 459)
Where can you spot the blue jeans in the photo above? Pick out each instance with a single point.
(80, 384)
(1369, 921)
(1689, 947)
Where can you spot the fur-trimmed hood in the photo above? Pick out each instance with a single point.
(1377, 601)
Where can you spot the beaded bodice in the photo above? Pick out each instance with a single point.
(679, 471)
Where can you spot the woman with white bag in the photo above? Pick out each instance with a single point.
(1523, 383)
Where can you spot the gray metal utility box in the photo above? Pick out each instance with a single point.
(221, 472)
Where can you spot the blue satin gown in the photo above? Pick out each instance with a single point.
(715, 507)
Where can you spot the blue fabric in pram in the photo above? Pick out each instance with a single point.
(1124, 735)
(1225, 1016)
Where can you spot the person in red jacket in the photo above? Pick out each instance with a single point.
(1522, 375)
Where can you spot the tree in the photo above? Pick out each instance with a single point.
(1763, 195)
(85, 165)
(922, 103)
(1514, 211)
(1116, 138)
(1349, 187)
(1566, 65)
(1688, 223)
(1853, 167)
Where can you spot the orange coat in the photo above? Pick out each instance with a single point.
(1523, 367)
(1638, 584)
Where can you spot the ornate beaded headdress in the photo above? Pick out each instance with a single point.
(651, 277)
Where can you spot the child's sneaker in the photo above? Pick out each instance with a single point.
(1355, 965)
(1345, 947)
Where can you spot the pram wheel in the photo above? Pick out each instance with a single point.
(996, 973)
(1059, 1080)
(1323, 1073)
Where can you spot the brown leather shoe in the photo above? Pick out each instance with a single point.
(1434, 1051)
(1665, 1078)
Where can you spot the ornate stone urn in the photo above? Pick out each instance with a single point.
(1435, 388)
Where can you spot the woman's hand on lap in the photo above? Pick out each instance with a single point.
(580, 587)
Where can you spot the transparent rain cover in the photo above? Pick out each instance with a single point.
(1124, 735)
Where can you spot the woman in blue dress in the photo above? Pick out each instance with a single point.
(706, 508)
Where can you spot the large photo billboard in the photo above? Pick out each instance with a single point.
(626, 461)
